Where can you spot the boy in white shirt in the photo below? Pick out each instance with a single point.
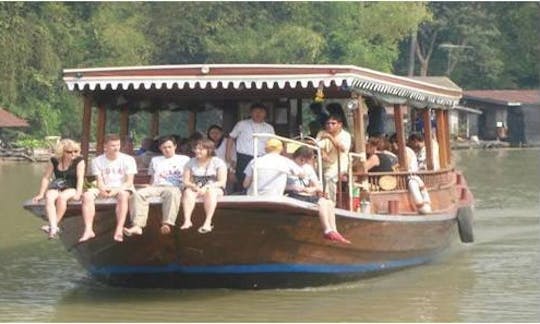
(114, 172)
(166, 172)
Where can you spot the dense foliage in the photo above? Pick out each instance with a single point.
(485, 45)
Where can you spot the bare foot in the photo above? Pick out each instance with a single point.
(134, 230)
(86, 236)
(186, 226)
(119, 237)
(165, 229)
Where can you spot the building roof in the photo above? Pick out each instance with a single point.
(7, 119)
(237, 77)
(437, 80)
(505, 97)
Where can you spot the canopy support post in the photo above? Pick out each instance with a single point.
(400, 134)
(100, 131)
(86, 123)
(427, 138)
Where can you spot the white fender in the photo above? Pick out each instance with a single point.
(420, 194)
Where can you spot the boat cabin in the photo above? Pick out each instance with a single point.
(189, 98)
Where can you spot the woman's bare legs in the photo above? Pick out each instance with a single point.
(61, 203)
(188, 204)
(50, 208)
(210, 203)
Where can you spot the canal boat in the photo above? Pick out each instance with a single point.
(257, 242)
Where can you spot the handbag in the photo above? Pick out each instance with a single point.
(58, 184)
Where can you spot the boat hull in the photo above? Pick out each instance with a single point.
(255, 244)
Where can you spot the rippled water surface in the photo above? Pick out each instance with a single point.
(496, 279)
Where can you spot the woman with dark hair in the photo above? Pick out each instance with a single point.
(215, 134)
(205, 175)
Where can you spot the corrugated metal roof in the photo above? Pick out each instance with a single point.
(505, 97)
(7, 119)
(390, 88)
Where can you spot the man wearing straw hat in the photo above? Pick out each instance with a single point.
(272, 171)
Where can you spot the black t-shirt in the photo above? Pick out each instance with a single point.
(385, 163)
(70, 175)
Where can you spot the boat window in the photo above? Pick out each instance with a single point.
(207, 118)
(174, 122)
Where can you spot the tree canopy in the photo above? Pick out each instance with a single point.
(479, 45)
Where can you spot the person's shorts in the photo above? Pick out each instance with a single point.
(310, 199)
(95, 191)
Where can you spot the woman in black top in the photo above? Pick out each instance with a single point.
(68, 168)
(378, 160)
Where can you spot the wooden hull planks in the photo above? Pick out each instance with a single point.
(255, 244)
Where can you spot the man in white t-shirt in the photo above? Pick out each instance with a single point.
(272, 171)
(166, 172)
(114, 173)
(242, 136)
(335, 143)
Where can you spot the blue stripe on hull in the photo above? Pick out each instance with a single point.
(259, 268)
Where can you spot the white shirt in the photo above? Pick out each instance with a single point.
(167, 171)
(114, 172)
(243, 131)
(221, 150)
(327, 146)
(208, 172)
(294, 183)
(272, 171)
(411, 159)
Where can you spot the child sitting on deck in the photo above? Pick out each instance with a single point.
(309, 189)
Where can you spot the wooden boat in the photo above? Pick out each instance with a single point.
(261, 243)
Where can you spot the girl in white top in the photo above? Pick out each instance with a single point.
(205, 176)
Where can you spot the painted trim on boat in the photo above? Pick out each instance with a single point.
(260, 268)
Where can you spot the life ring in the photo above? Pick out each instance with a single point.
(419, 194)
(465, 224)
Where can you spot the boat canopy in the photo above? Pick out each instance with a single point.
(386, 87)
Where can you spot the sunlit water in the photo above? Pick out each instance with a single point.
(496, 279)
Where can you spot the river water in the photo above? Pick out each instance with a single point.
(496, 279)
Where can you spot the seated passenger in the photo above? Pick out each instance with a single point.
(205, 176)
(410, 156)
(146, 144)
(216, 135)
(377, 160)
(166, 172)
(309, 189)
(114, 172)
(68, 169)
(416, 142)
(272, 171)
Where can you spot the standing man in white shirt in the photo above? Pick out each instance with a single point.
(114, 172)
(242, 135)
(335, 143)
(166, 171)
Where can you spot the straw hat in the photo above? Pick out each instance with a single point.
(273, 145)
